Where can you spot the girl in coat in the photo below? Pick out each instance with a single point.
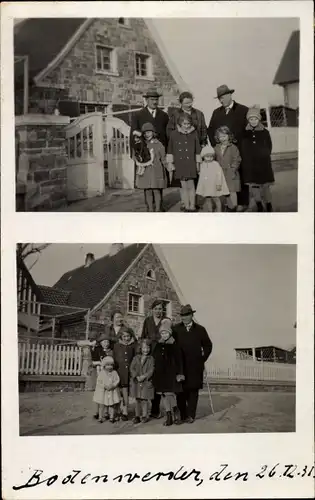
(168, 371)
(141, 388)
(228, 156)
(99, 349)
(124, 352)
(212, 183)
(256, 160)
(153, 179)
(143, 156)
(106, 394)
(183, 156)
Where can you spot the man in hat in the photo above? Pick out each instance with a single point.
(233, 115)
(196, 348)
(151, 331)
(151, 113)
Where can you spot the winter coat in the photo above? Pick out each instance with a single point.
(144, 116)
(196, 347)
(212, 180)
(97, 353)
(154, 176)
(230, 162)
(184, 152)
(256, 156)
(235, 119)
(123, 355)
(167, 365)
(198, 121)
(150, 330)
(106, 390)
(144, 389)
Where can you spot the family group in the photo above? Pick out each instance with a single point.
(162, 369)
(227, 163)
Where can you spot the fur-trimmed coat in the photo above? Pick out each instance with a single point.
(123, 356)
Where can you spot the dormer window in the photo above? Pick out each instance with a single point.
(151, 275)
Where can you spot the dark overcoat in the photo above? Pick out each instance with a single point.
(198, 121)
(230, 161)
(196, 347)
(168, 363)
(235, 120)
(144, 389)
(256, 156)
(144, 116)
(97, 352)
(184, 152)
(123, 355)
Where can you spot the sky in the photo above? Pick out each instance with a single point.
(245, 295)
(242, 53)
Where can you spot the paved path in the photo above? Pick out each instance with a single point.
(284, 198)
(71, 413)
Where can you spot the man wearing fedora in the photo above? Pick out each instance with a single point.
(233, 115)
(151, 113)
(196, 348)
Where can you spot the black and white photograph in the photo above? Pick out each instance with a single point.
(115, 115)
(150, 339)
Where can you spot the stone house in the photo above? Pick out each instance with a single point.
(80, 65)
(288, 74)
(128, 278)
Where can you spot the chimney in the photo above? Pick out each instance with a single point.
(89, 259)
(115, 248)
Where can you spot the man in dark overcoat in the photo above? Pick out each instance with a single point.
(151, 113)
(150, 331)
(196, 348)
(233, 115)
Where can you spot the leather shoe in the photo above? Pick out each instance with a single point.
(190, 420)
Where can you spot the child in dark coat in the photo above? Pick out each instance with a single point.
(124, 352)
(183, 156)
(256, 160)
(168, 372)
(141, 388)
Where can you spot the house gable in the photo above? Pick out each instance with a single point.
(77, 72)
(289, 67)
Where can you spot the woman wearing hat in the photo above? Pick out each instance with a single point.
(257, 167)
(232, 115)
(196, 347)
(150, 331)
(153, 179)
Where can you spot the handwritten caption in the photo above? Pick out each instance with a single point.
(224, 473)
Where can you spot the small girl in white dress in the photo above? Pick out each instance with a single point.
(106, 393)
(212, 183)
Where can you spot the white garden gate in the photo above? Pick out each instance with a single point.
(96, 143)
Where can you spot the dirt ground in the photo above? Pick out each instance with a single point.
(71, 413)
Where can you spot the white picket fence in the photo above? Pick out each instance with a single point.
(252, 370)
(36, 359)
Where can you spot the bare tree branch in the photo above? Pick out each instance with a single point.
(26, 250)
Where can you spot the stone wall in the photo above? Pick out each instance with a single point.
(42, 162)
(137, 282)
(78, 74)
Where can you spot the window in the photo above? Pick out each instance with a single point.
(91, 107)
(106, 59)
(123, 21)
(151, 275)
(135, 303)
(143, 66)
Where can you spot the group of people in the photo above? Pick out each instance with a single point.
(162, 369)
(226, 163)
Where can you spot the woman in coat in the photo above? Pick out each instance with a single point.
(196, 347)
(113, 330)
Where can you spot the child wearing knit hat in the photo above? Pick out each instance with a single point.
(106, 394)
(256, 150)
(211, 183)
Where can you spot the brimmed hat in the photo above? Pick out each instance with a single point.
(186, 310)
(152, 92)
(166, 325)
(137, 133)
(223, 90)
(104, 336)
(108, 360)
(156, 302)
(207, 150)
(147, 127)
(254, 112)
